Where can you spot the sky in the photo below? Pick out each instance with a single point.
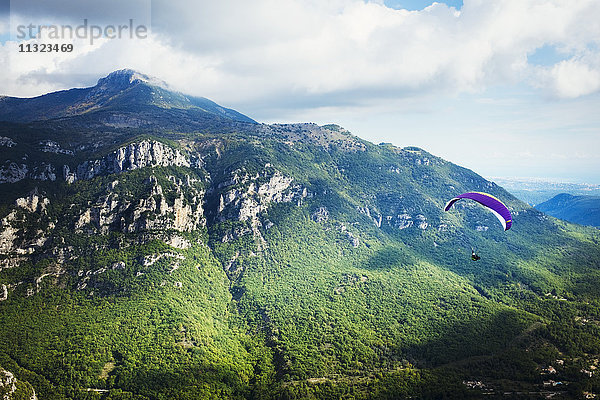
(508, 88)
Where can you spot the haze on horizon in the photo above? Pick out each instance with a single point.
(506, 88)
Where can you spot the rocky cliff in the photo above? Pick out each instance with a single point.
(183, 197)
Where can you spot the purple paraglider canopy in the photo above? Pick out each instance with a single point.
(489, 201)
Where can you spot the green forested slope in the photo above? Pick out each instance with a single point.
(584, 210)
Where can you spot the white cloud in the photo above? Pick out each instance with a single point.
(572, 78)
(317, 49)
(303, 52)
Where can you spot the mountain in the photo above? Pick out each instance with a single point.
(202, 256)
(535, 191)
(583, 210)
(123, 90)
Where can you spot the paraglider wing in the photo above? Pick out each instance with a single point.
(489, 201)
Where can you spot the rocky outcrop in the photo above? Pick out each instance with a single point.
(11, 262)
(8, 234)
(401, 221)
(50, 146)
(178, 242)
(320, 215)
(53, 271)
(9, 389)
(374, 215)
(12, 172)
(243, 197)
(245, 202)
(352, 238)
(43, 172)
(6, 141)
(152, 259)
(443, 228)
(147, 153)
(8, 384)
(421, 221)
(13, 240)
(404, 221)
(152, 212)
(69, 176)
(33, 203)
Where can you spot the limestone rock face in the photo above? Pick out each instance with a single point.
(142, 154)
(12, 172)
(244, 196)
(373, 214)
(7, 142)
(9, 389)
(112, 211)
(404, 221)
(43, 172)
(252, 195)
(33, 202)
(320, 215)
(12, 228)
(8, 383)
(401, 221)
(352, 238)
(8, 234)
(421, 221)
(15, 239)
(50, 146)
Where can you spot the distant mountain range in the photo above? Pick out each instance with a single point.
(535, 191)
(584, 210)
(155, 245)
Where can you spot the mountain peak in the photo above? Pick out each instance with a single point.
(124, 78)
(121, 91)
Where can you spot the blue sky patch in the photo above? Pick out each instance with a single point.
(545, 56)
(414, 5)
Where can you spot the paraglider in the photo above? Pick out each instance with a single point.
(488, 201)
(492, 204)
